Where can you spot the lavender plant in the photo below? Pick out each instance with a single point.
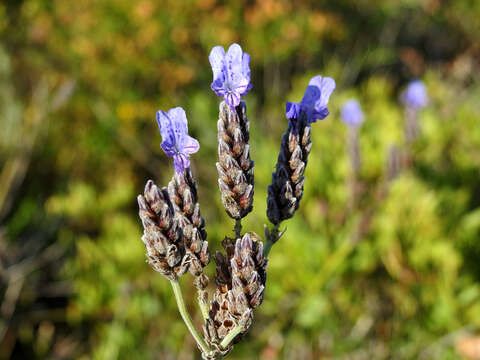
(352, 116)
(174, 231)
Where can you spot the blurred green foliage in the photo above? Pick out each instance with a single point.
(396, 276)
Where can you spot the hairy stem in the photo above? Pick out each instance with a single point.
(177, 291)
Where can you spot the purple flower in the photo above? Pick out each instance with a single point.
(231, 73)
(352, 114)
(175, 140)
(415, 95)
(315, 100)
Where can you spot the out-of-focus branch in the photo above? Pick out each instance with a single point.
(35, 118)
(16, 275)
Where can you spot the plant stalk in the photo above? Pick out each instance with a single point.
(230, 336)
(177, 291)
(271, 237)
(238, 228)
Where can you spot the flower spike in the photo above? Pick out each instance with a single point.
(415, 98)
(286, 189)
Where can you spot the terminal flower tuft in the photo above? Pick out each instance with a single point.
(231, 73)
(315, 100)
(175, 140)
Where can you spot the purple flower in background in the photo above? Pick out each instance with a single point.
(231, 73)
(315, 100)
(415, 95)
(352, 114)
(175, 140)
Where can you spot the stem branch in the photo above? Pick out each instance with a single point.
(271, 237)
(177, 291)
(230, 336)
(238, 228)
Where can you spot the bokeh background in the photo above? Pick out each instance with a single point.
(395, 275)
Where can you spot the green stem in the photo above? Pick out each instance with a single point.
(230, 336)
(267, 247)
(271, 237)
(177, 291)
(238, 228)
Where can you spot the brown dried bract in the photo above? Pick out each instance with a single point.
(184, 195)
(241, 277)
(162, 237)
(286, 189)
(235, 168)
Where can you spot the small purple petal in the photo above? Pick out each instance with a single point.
(168, 148)
(232, 99)
(292, 110)
(179, 125)
(165, 126)
(326, 86)
(216, 60)
(246, 65)
(319, 114)
(246, 71)
(191, 145)
(241, 87)
(181, 162)
(352, 114)
(311, 96)
(233, 60)
(217, 87)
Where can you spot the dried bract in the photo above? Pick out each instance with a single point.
(235, 168)
(286, 189)
(241, 278)
(162, 237)
(184, 195)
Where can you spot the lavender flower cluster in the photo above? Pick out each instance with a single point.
(174, 230)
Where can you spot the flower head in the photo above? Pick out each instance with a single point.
(415, 95)
(231, 73)
(352, 114)
(315, 100)
(175, 140)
